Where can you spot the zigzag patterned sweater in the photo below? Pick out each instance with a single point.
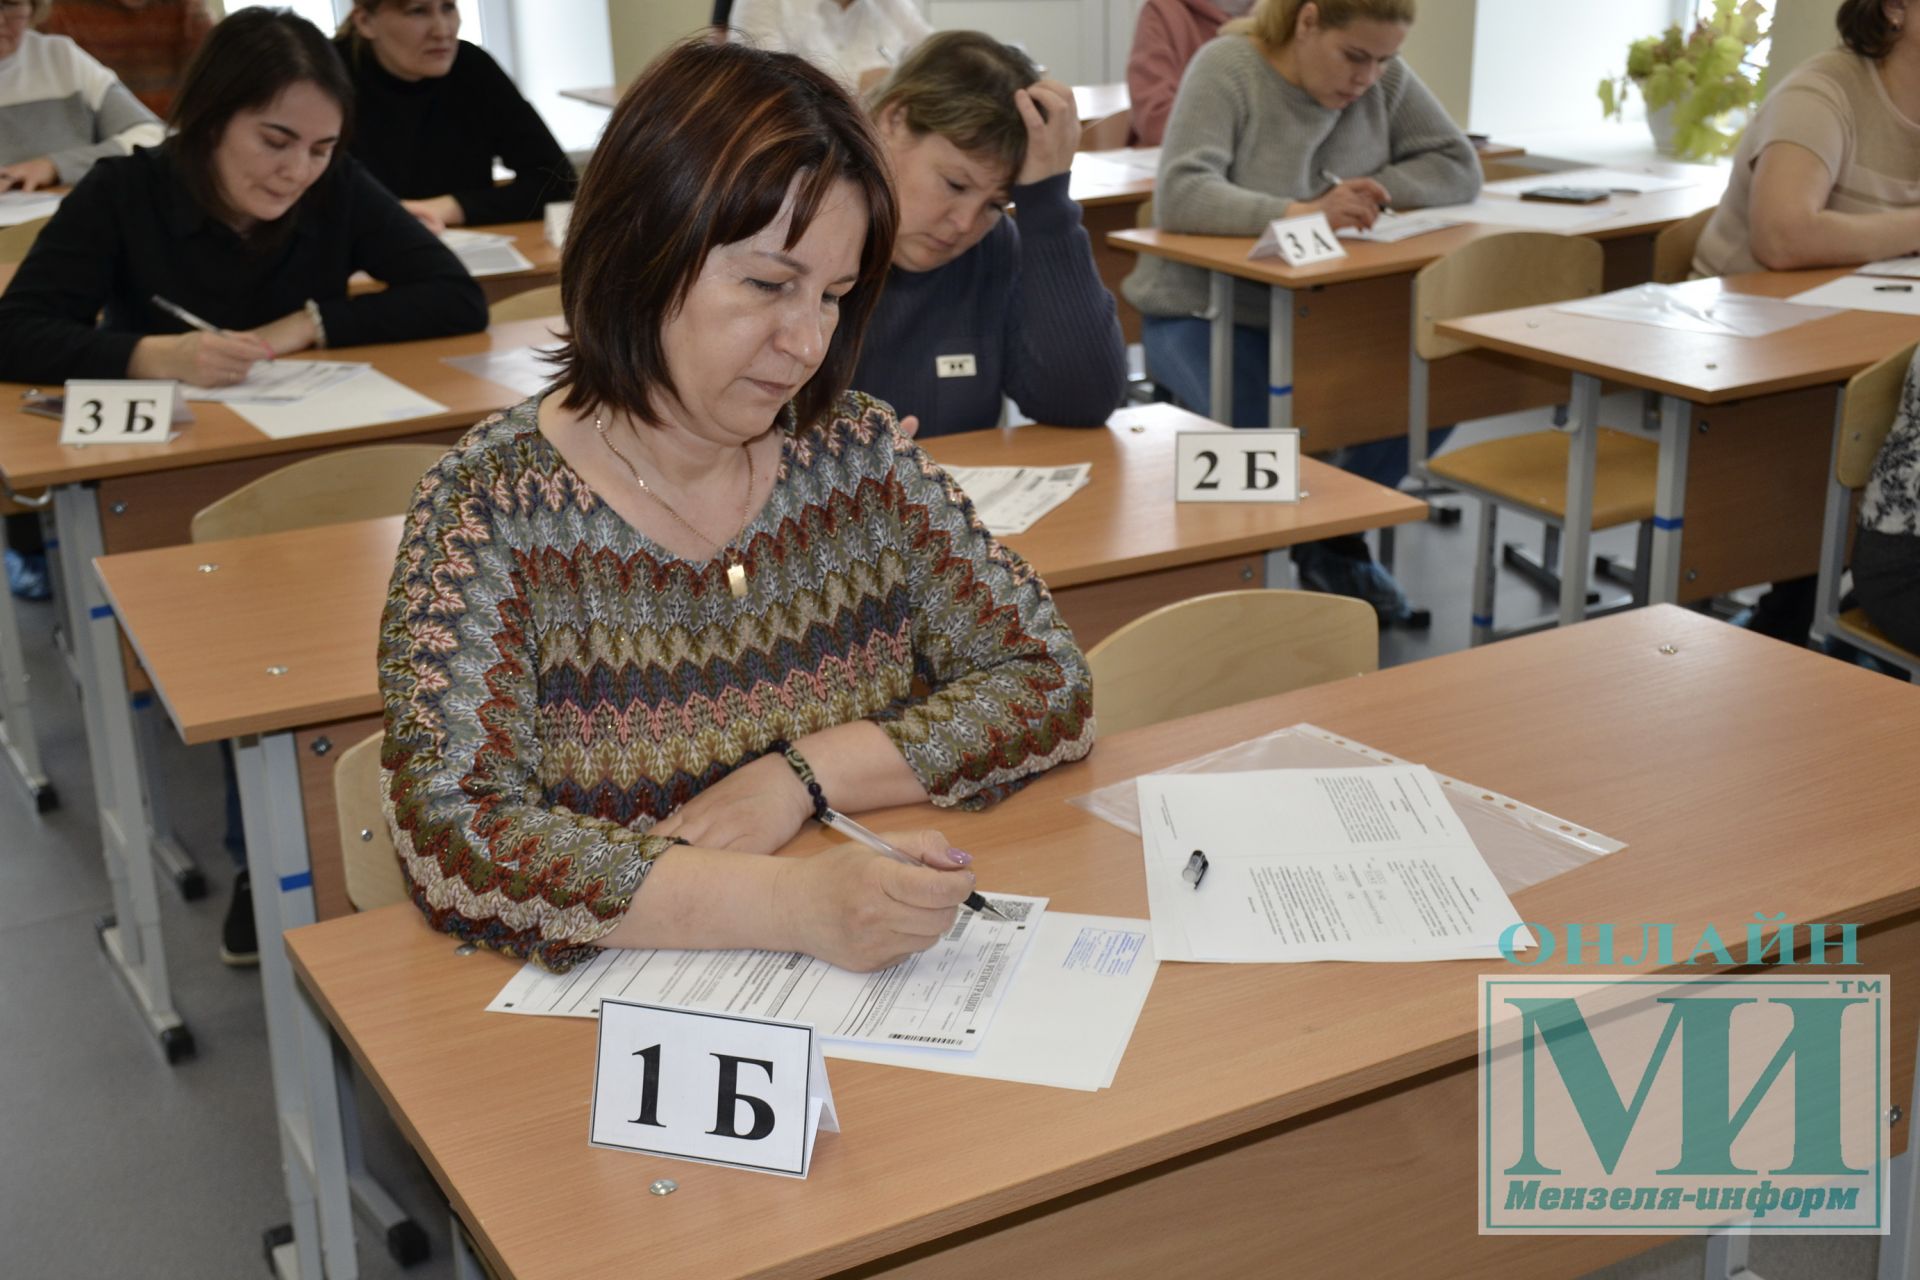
(555, 682)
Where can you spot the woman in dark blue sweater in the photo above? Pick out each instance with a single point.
(437, 113)
(979, 306)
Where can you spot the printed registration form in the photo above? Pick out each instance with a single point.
(1011, 500)
(944, 998)
(1317, 864)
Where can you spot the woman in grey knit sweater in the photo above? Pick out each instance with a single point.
(1302, 108)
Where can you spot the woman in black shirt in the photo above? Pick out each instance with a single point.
(249, 216)
(437, 112)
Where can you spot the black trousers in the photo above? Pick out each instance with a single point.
(1886, 579)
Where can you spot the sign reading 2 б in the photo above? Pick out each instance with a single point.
(1237, 466)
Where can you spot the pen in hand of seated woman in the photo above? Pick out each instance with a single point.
(1354, 202)
(848, 827)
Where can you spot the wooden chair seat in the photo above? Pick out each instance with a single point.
(528, 304)
(1530, 472)
(1856, 623)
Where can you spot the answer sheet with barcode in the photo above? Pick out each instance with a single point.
(942, 998)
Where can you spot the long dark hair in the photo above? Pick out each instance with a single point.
(247, 61)
(701, 152)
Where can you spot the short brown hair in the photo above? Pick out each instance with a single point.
(1865, 29)
(960, 85)
(701, 152)
(1274, 21)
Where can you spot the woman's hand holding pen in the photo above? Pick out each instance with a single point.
(1357, 202)
(863, 910)
(217, 359)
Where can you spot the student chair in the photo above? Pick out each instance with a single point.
(332, 488)
(533, 304)
(373, 874)
(1528, 472)
(1867, 409)
(17, 239)
(1257, 643)
(1108, 132)
(1673, 248)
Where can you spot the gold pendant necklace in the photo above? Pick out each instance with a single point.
(736, 568)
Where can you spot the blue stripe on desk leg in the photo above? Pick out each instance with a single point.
(52, 544)
(1480, 621)
(304, 880)
(141, 701)
(1279, 391)
(1662, 522)
(100, 611)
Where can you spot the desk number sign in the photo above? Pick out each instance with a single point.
(1237, 466)
(118, 411)
(709, 1087)
(1299, 242)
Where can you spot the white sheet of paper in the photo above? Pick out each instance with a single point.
(17, 207)
(281, 382)
(485, 253)
(1317, 864)
(517, 368)
(1130, 165)
(367, 398)
(1012, 499)
(1499, 211)
(1625, 181)
(1390, 227)
(1066, 1022)
(1697, 306)
(1864, 293)
(944, 998)
(1907, 268)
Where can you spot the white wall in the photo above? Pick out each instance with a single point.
(1067, 37)
(1536, 63)
(563, 44)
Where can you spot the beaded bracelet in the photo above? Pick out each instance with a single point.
(803, 771)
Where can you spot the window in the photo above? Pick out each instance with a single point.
(328, 14)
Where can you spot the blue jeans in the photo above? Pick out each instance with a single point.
(1177, 359)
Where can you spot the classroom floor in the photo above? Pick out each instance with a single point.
(120, 1165)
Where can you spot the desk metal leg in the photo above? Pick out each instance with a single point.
(17, 739)
(1669, 500)
(1584, 430)
(1220, 351)
(312, 1150)
(167, 851)
(132, 938)
(1279, 357)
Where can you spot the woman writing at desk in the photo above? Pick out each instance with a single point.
(644, 626)
(1303, 108)
(250, 217)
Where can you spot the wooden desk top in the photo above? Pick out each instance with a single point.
(1492, 149)
(1111, 177)
(1704, 368)
(598, 95)
(31, 455)
(1745, 776)
(1647, 214)
(310, 600)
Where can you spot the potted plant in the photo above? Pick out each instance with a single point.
(1699, 88)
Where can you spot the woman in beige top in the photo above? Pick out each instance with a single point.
(1828, 174)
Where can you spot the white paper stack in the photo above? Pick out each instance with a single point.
(1390, 227)
(1059, 993)
(1864, 293)
(280, 382)
(1697, 306)
(1367, 864)
(1012, 500)
(1636, 182)
(362, 400)
(17, 207)
(1504, 211)
(485, 253)
(519, 369)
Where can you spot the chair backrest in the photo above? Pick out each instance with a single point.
(337, 486)
(531, 304)
(1107, 132)
(1217, 650)
(1867, 409)
(1673, 248)
(1499, 273)
(17, 239)
(373, 874)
